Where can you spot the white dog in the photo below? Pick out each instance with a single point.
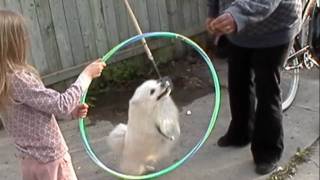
(152, 130)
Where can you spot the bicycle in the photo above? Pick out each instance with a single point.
(303, 55)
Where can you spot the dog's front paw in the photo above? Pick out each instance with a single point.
(149, 169)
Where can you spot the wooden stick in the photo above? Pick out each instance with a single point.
(136, 25)
(144, 42)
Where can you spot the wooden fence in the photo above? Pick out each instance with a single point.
(65, 34)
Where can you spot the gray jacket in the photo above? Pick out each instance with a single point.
(260, 23)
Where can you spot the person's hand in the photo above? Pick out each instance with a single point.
(224, 23)
(207, 24)
(212, 30)
(94, 69)
(80, 111)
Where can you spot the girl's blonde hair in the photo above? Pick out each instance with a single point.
(14, 44)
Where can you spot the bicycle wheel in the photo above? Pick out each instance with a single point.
(289, 81)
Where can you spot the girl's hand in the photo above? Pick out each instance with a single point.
(225, 24)
(80, 111)
(94, 69)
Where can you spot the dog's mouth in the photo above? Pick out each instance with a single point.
(166, 85)
(164, 93)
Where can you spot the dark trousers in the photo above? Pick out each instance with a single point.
(255, 99)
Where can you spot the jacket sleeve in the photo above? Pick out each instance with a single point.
(27, 89)
(251, 11)
(213, 8)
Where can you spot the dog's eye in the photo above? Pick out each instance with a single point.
(152, 91)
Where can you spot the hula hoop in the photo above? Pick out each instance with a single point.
(214, 116)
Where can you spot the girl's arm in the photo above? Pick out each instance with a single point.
(27, 89)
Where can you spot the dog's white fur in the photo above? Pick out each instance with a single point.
(152, 130)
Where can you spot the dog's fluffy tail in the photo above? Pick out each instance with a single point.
(116, 138)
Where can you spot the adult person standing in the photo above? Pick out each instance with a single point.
(260, 33)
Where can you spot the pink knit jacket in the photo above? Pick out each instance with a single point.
(30, 119)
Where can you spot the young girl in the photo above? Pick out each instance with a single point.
(28, 108)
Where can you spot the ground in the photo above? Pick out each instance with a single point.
(193, 92)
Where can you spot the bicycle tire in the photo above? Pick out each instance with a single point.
(289, 82)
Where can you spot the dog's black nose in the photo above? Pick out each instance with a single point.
(164, 81)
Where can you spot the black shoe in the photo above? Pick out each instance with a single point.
(225, 141)
(265, 168)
